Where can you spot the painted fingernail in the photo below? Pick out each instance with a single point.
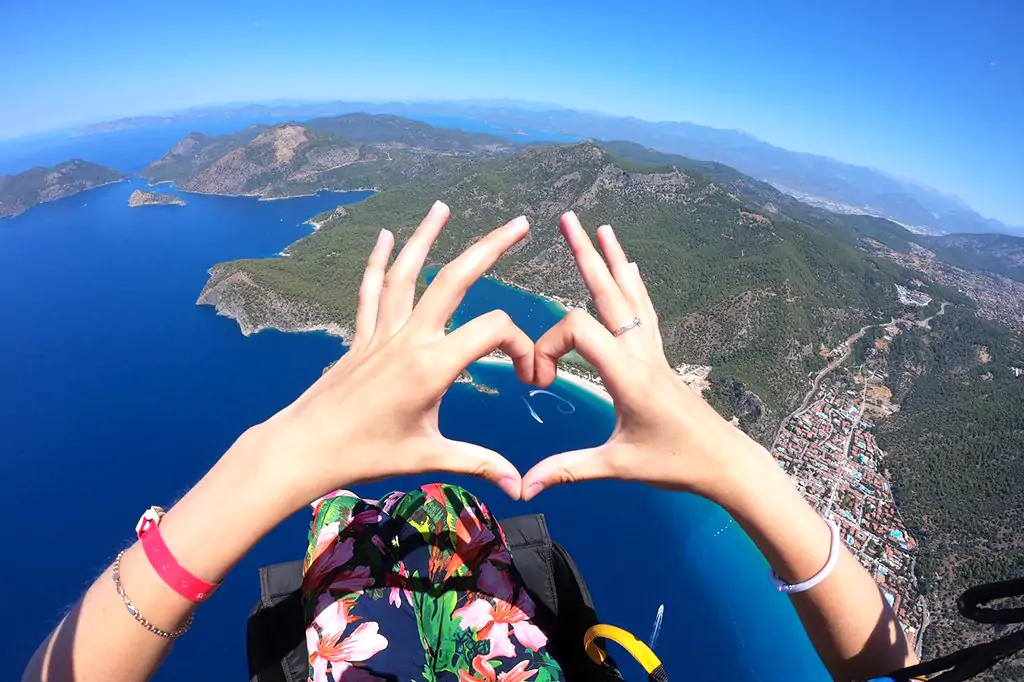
(438, 206)
(571, 214)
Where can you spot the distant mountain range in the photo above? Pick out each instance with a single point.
(818, 180)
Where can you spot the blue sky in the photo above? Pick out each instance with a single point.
(926, 90)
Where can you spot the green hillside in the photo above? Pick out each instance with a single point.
(22, 191)
(356, 151)
(753, 294)
(956, 454)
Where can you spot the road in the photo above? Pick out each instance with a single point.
(848, 346)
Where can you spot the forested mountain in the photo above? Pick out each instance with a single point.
(998, 253)
(754, 294)
(340, 153)
(395, 130)
(20, 192)
(956, 453)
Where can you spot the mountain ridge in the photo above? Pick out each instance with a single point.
(908, 202)
(349, 152)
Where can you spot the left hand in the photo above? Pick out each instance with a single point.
(374, 414)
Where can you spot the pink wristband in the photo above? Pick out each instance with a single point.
(166, 566)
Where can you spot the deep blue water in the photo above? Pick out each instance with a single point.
(117, 392)
(128, 151)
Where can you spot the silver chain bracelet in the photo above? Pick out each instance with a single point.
(134, 610)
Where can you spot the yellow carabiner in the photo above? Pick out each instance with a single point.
(637, 649)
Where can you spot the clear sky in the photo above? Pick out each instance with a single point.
(930, 90)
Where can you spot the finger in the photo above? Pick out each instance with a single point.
(400, 281)
(456, 457)
(595, 343)
(567, 467)
(619, 266)
(646, 306)
(608, 299)
(449, 287)
(478, 337)
(369, 290)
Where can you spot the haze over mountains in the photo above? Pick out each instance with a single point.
(814, 179)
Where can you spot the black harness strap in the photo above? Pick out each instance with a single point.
(966, 663)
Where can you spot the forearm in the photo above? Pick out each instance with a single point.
(852, 627)
(206, 532)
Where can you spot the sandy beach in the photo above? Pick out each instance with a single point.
(591, 387)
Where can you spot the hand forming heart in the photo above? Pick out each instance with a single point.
(390, 383)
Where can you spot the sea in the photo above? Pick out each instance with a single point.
(117, 392)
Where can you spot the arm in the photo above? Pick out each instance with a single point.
(667, 436)
(382, 396)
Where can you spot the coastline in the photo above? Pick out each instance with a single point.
(591, 387)
(66, 196)
(254, 195)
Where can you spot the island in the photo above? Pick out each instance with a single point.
(143, 198)
(22, 191)
(466, 378)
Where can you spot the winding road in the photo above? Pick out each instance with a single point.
(848, 345)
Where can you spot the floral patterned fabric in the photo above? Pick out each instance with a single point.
(417, 586)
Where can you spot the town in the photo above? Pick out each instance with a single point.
(830, 452)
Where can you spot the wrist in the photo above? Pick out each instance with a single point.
(749, 477)
(225, 514)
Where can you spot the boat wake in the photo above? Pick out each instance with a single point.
(564, 406)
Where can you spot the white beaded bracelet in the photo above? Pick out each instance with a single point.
(833, 558)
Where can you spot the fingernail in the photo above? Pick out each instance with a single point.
(511, 486)
(533, 490)
(517, 223)
(438, 206)
(382, 237)
(636, 269)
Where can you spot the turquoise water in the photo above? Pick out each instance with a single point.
(118, 392)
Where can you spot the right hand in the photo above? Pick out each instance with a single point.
(665, 434)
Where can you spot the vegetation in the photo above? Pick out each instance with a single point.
(998, 253)
(956, 454)
(20, 192)
(142, 198)
(356, 151)
(385, 129)
(752, 295)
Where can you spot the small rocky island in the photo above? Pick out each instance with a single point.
(143, 198)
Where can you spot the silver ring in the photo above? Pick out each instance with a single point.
(635, 322)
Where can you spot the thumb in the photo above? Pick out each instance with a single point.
(567, 467)
(466, 458)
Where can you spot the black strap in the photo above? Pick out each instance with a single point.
(966, 663)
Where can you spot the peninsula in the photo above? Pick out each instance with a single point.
(351, 152)
(143, 198)
(22, 191)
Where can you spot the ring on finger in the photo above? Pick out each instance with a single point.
(635, 322)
